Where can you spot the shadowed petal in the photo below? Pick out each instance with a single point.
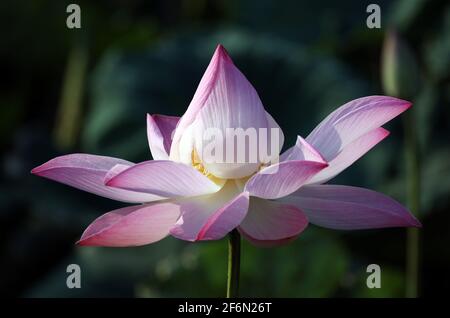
(114, 171)
(304, 151)
(267, 243)
(285, 155)
(271, 220)
(225, 219)
(282, 179)
(211, 217)
(272, 127)
(131, 226)
(159, 134)
(164, 178)
(87, 173)
(352, 152)
(349, 155)
(353, 120)
(350, 208)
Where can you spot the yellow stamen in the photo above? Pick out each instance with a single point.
(197, 164)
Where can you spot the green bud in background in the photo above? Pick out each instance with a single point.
(399, 70)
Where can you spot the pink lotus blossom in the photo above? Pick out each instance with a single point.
(270, 203)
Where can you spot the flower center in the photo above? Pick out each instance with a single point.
(197, 164)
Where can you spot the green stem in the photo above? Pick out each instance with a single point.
(71, 103)
(234, 259)
(413, 198)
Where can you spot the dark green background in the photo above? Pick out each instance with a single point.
(305, 58)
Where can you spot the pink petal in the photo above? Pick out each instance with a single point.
(272, 221)
(87, 173)
(285, 155)
(114, 171)
(225, 219)
(211, 217)
(224, 88)
(282, 179)
(350, 154)
(350, 208)
(267, 243)
(352, 120)
(164, 178)
(131, 226)
(204, 89)
(159, 134)
(304, 151)
(224, 100)
(273, 125)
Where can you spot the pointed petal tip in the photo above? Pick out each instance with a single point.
(222, 53)
(82, 242)
(316, 155)
(320, 165)
(79, 243)
(415, 222)
(39, 169)
(110, 179)
(387, 100)
(406, 104)
(220, 48)
(383, 132)
(86, 239)
(402, 102)
(150, 120)
(109, 182)
(35, 170)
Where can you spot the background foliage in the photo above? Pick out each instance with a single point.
(89, 90)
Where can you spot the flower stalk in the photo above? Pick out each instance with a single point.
(400, 77)
(234, 260)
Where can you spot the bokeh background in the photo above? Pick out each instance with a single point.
(89, 89)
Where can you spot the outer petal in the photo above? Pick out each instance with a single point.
(211, 217)
(273, 127)
(304, 151)
(267, 243)
(223, 102)
(225, 89)
(350, 208)
(350, 154)
(353, 120)
(225, 219)
(164, 178)
(87, 172)
(114, 171)
(202, 93)
(282, 179)
(271, 220)
(159, 134)
(285, 155)
(132, 226)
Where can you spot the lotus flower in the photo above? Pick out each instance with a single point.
(182, 193)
